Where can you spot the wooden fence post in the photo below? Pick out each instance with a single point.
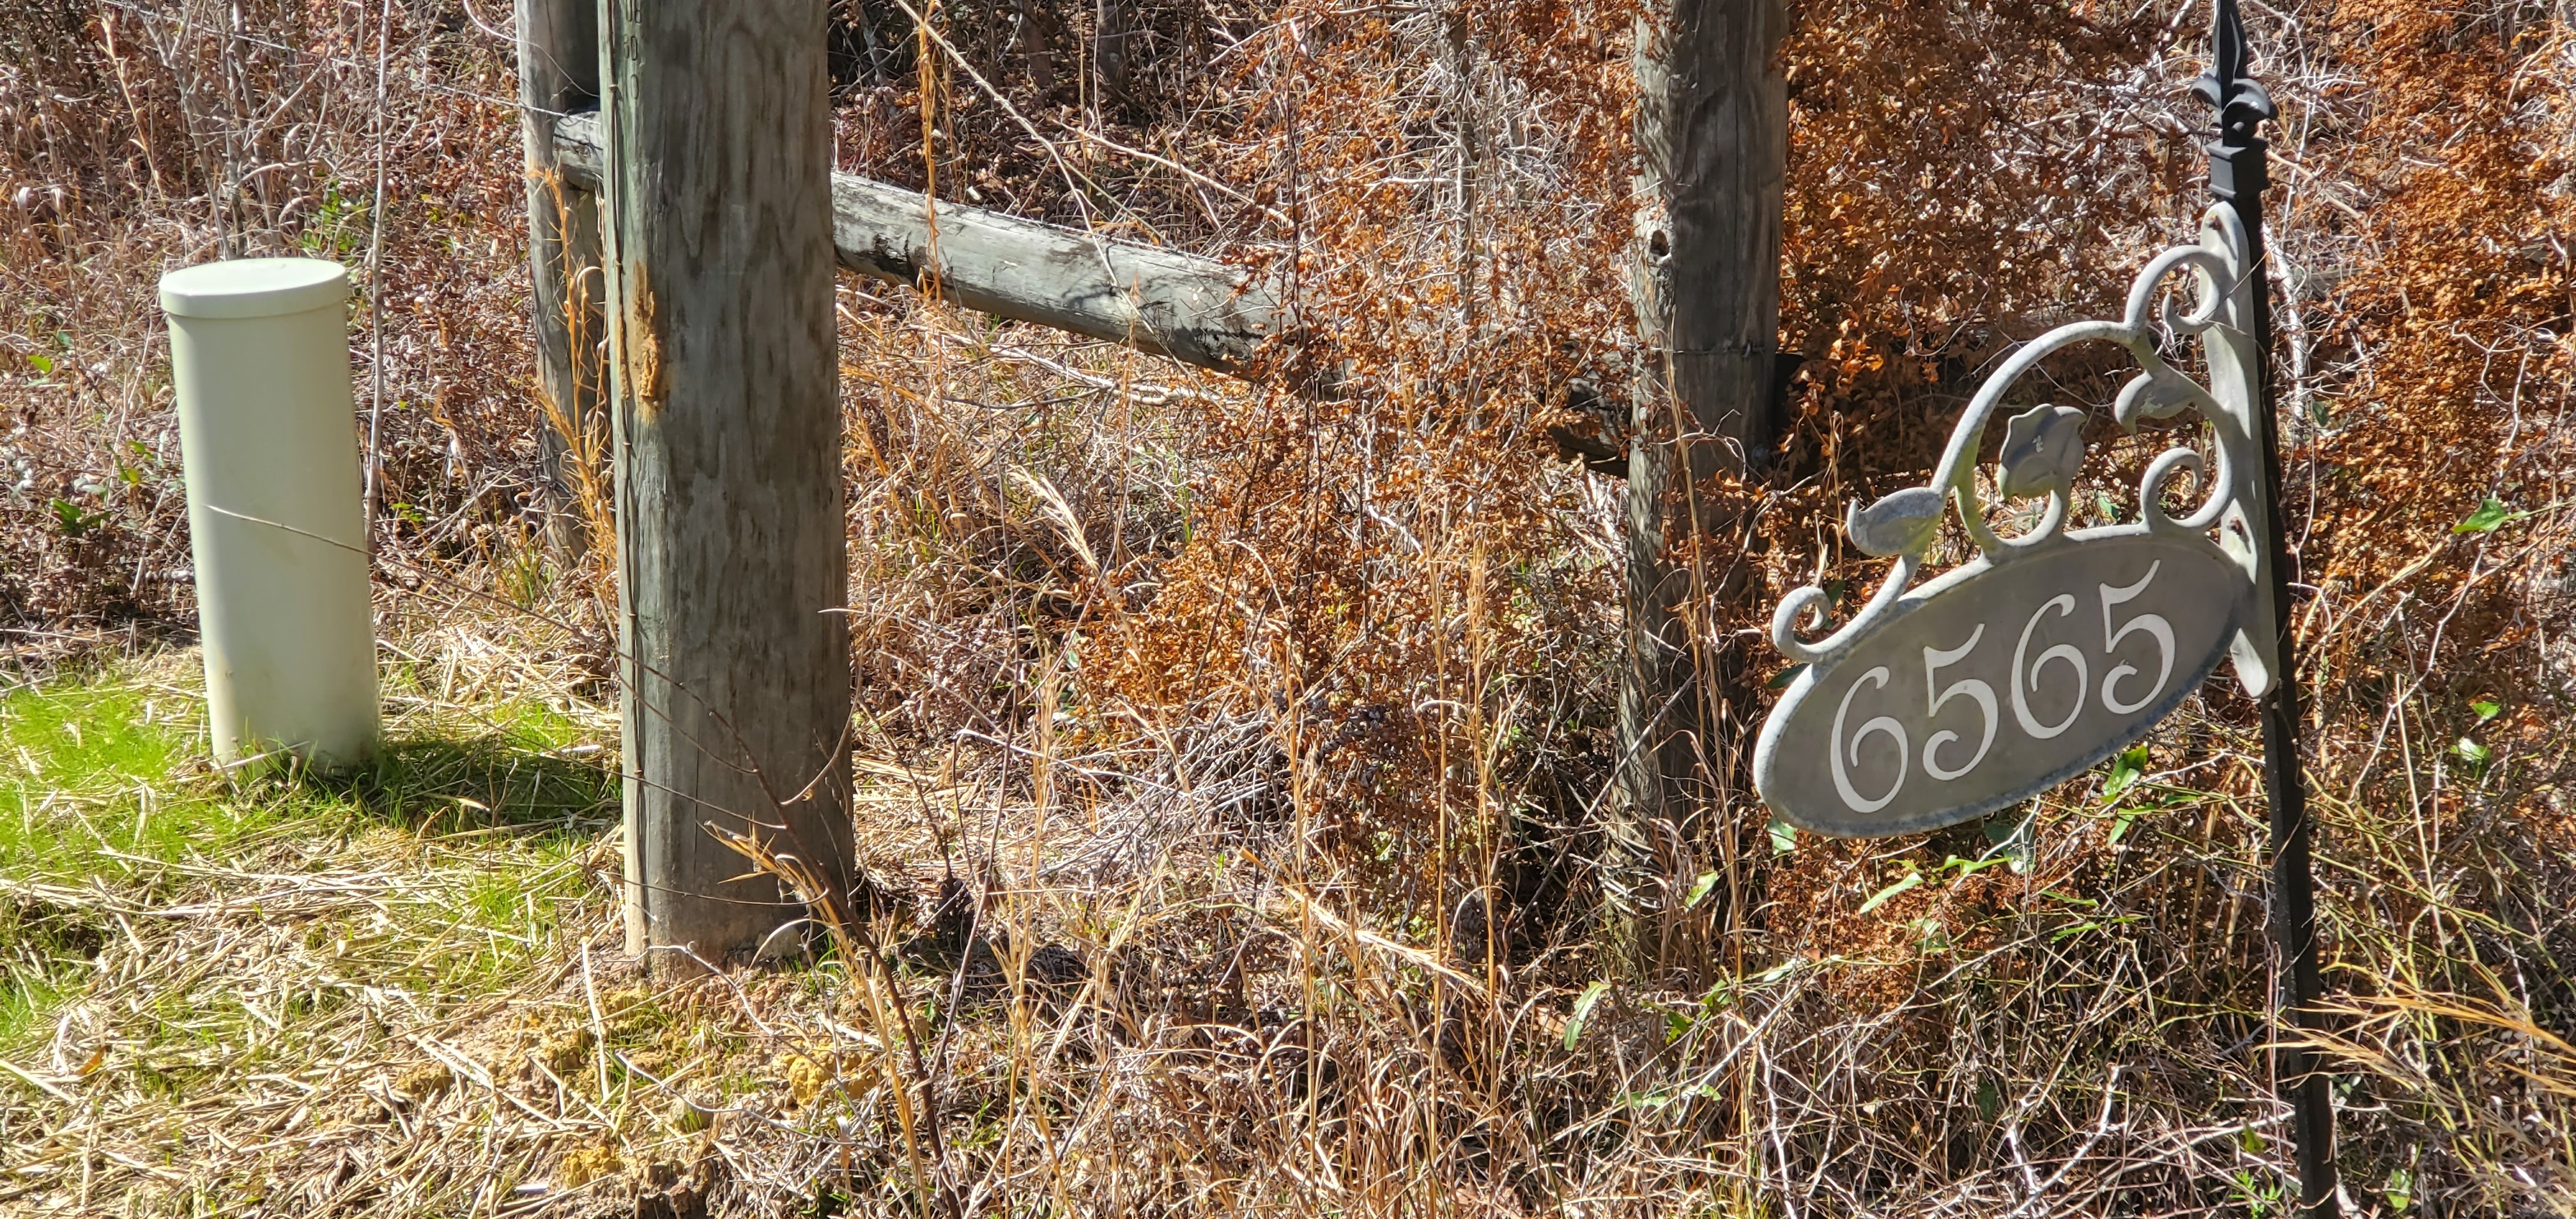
(559, 74)
(732, 544)
(1712, 134)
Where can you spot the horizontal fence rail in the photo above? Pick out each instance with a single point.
(1196, 310)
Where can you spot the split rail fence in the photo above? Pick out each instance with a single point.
(674, 155)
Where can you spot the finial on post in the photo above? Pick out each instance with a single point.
(2236, 158)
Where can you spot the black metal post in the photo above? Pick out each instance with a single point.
(2236, 177)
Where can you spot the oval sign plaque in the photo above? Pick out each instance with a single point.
(1999, 681)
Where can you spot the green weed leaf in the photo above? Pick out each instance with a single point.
(2125, 770)
(1700, 890)
(2486, 709)
(2012, 838)
(1583, 1011)
(1781, 679)
(1912, 879)
(2490, 516)
(1784, 836)
(70, 519)
(1970, 867)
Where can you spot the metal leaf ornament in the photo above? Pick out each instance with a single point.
(2043, 448)
(1901, 523)
(2157, 393)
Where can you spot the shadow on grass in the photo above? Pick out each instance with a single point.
(121, 766)
(498, 780)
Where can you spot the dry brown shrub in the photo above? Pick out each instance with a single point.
(1401, 532)
(146, 137)
(2437, 379)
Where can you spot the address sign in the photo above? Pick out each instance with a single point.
(2052, 649)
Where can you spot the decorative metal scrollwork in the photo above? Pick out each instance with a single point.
(2043, 449)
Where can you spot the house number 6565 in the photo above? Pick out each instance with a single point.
(2059, 667)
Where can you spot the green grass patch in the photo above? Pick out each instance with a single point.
(468, 836)
(26, 996)
(98, 770)
(105, 768)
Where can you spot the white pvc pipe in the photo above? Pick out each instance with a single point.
(259, 354)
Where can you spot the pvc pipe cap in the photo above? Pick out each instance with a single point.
(254, 287)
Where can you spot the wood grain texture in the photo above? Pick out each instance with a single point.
(1196, 310)
(1712, 136)
(732, 549)
(558, 74)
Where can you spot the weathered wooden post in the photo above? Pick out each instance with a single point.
(1712, 139)
(558, 75)
(731, 544)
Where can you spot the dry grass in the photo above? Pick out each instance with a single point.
(1235, 757)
